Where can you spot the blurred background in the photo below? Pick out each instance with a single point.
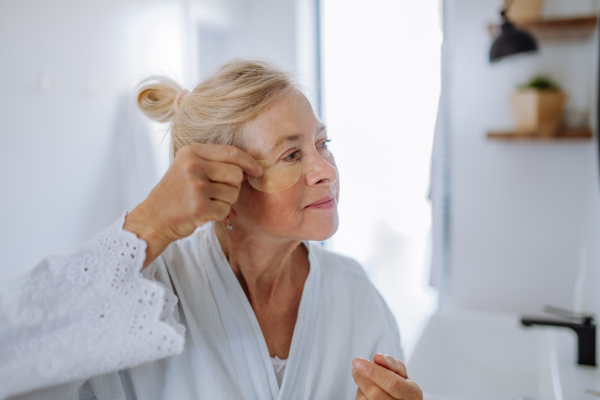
(450, 203)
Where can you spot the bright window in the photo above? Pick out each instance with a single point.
(381, 84)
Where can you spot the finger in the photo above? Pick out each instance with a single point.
(229, 154)
(391, 363)
(224, 173)
(400, 368)
(215, 210)
(220, 210)
(370, 390)
(360, 395)
(223, 192)
(387, 380)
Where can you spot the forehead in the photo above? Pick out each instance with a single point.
(290, 115)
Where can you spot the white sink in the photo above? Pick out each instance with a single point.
(571, 380)
(483, 356)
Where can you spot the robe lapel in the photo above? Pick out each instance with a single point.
(245, 336)
(296, 370)
(243, 331)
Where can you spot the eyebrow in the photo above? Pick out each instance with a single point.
(294, 137)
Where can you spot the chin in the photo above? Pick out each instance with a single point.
(323, 230)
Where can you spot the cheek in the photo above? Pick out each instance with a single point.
(259, 206)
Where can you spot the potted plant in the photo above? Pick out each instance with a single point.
(538, 107)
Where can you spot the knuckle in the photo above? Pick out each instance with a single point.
(226, 175)
(210, 170)
(402, 367)
(222, 211)
(373, 392)
(199, 208)
(415, 393)
(393, 385)
(227, 193)
(232, 176)
(183, 151)
(190, 167)
(231, 151)
(198, 186)
(237, 174)
(234, 196)
(188, 151)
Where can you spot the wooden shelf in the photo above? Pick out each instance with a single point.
(556, 28)
(581, 133)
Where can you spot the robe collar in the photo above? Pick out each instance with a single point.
(247, 342)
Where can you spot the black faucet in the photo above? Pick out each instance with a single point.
(582, 324)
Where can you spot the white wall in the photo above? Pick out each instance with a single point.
(520, 210)
(59, 170)
(58, 166)
(381, 89)
(257, 28)
(282, 31)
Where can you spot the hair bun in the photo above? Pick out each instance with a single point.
(155, 97)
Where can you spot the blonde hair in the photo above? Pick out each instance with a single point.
(218, 108)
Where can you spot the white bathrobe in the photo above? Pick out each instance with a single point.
(89, 325)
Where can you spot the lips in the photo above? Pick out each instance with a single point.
(321, 201)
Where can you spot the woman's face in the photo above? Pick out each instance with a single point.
(287, 131)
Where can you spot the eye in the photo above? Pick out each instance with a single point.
(292, 156)
(324, 144)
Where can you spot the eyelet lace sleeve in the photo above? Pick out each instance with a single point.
(85, 314)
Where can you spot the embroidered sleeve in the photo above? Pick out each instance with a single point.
(85, 314)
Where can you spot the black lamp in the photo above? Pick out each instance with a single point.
(511, 41)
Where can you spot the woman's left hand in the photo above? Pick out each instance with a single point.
(384, 378)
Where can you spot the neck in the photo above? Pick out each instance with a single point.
(264, 265)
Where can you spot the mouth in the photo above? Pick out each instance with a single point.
(322, 201)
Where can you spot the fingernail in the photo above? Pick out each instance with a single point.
(357, 364)
(353, 371)
(388, 357)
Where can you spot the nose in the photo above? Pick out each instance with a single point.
(321, 170)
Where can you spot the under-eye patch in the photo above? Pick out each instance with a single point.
(276, 177)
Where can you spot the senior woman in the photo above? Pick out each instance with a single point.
(213, 287)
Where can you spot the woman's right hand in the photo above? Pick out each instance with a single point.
(201, 184)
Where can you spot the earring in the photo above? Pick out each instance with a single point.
(229, 224)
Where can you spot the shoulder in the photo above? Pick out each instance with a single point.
(344, 276)
(350, 299)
